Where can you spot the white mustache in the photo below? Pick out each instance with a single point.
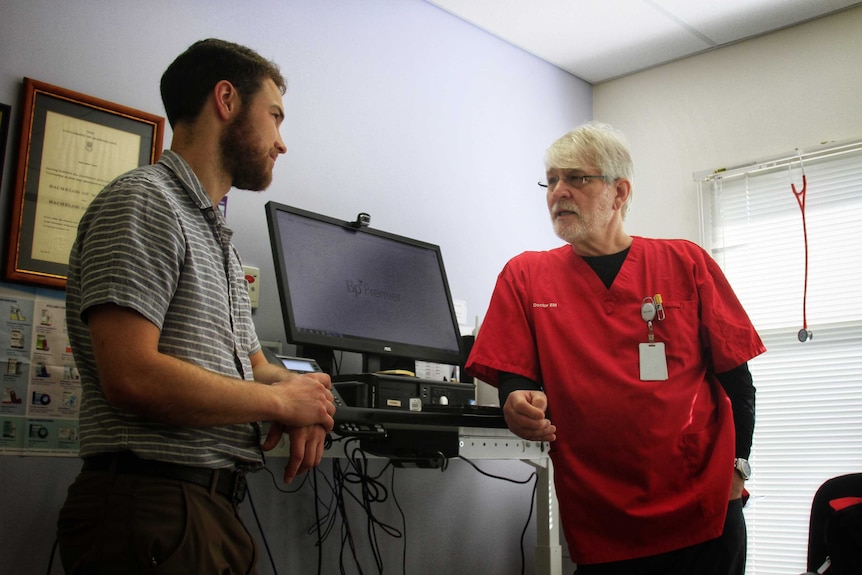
(560, 207)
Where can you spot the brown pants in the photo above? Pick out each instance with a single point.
(127, 524)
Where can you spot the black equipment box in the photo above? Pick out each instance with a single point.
(386, 391)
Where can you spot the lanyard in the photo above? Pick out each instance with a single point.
(652, 308)
(651, 355)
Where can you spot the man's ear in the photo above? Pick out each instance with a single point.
(623, 188)
(227, 100)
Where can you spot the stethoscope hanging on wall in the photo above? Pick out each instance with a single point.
(804, 333)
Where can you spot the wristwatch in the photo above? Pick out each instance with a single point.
(742, 467)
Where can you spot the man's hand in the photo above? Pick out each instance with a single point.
(306, 447)
(310, 409)
(524, 413)
(307, 400)
(737, 486)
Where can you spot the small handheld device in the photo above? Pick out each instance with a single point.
(299, 364)
(295, 364)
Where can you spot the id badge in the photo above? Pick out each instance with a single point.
(653, 361)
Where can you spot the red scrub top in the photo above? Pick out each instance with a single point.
(640, 467)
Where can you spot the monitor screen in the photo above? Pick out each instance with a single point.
(350, 287)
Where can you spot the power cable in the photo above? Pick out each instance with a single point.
(53, 552)
(535, 479)
(260, 529)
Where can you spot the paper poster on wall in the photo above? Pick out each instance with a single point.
(41, 388)
(16, 325)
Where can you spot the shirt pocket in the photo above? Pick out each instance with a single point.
(679, 327)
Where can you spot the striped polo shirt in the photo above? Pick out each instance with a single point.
(153, 242)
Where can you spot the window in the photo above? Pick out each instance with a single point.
(809, 395)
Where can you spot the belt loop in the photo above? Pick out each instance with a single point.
(240, 486)
(214, 483)
(112, 468)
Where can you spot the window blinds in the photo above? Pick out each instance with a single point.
(809, 395)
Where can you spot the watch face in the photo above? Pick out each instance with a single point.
(743, 467)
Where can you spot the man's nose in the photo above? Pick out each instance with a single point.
(560, 190)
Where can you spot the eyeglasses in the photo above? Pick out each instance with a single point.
(576, 182)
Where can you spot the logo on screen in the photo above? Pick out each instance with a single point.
(361, 288)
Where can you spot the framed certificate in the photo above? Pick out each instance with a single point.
(71, 146)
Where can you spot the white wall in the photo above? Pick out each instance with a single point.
(760, 98)
(395, 108)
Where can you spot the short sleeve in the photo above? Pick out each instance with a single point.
(506, 340)
(130, 250)
(726, 329)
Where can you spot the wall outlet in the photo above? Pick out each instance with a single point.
(252, 276)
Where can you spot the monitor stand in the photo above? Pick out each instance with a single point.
(374, 363)
(324, 356)
(371, 362)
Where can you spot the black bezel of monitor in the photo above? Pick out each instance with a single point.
(377, 352)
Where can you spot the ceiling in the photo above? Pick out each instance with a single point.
(599, 40)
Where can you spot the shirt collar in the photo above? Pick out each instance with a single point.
(187, 177)
(193, 187)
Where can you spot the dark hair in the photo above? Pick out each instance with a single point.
(187, 82)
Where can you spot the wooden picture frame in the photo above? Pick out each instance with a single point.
(71, 146)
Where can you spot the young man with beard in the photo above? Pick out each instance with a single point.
(630, 355)
(175, 384)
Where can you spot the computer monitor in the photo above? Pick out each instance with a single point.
(346, 286)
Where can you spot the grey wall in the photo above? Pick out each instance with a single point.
(394, 108)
